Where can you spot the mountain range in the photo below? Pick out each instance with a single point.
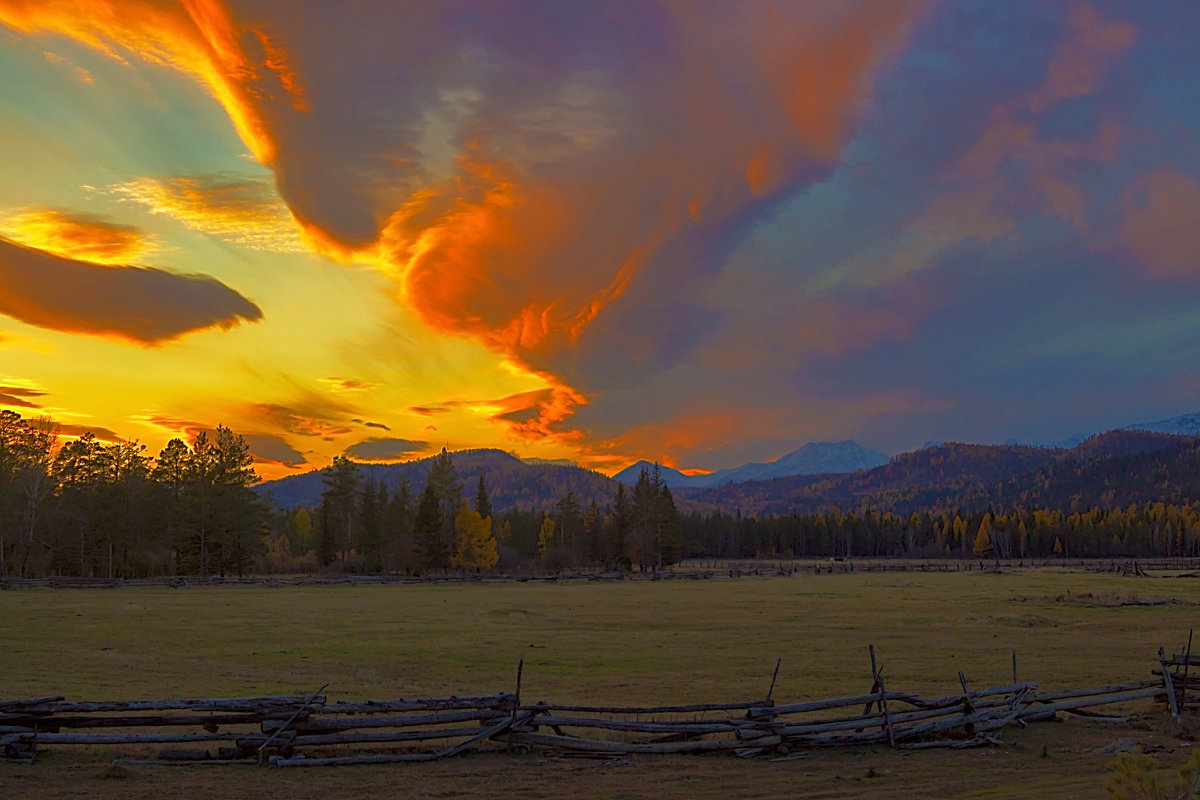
(812, 459)
(1157, 462)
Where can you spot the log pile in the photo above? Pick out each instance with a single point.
(310, 731)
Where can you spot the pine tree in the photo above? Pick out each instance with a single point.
(398, 527)
(447, 491)
(434, 547)
(370, 527)
(339, 501)
(483, 504)
(622, 523)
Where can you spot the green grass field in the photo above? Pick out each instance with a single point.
(617, 643)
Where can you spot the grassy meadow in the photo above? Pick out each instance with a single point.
(623, 642)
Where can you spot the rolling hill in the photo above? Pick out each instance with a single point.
(1119, 465)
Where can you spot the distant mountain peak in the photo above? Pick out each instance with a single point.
(812, 458)
(1183, 425)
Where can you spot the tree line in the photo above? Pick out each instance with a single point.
(79, 506)
(83, 507)
(1139, 530)
(363, 526)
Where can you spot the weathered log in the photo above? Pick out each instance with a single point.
(137, 738)
(1083, 701)
(380, 737)
(264, 705)
(502, 701)
(290, 720)
(385, 758)
(958, 699)
(26, 705)
(820, 705)
(314, 725)
(576, 743)
(1166, 676)
(685, 709)
(722, 726)
(56, 721)
(1059, 694)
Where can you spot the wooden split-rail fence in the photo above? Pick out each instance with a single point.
(311, 731)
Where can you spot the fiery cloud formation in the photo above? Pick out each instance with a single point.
(643, 229)
(196, 37)
(136, 303)
(82, 237)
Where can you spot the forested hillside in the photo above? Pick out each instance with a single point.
(1104, 469)
(512, 483)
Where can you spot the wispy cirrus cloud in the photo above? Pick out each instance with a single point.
(81, 74)
(236, 209)
(140, 304)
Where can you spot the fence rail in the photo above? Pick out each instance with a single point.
(301, 731)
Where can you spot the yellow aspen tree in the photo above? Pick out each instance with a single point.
(475, 546)
(545, 535)
(983, 538)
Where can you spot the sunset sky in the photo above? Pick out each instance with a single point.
(695, 232)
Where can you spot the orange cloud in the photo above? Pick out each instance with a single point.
(1081, 61)
(235, 209)
(519, 202)
(198, 37)
(1160, 227)
(83, 237)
